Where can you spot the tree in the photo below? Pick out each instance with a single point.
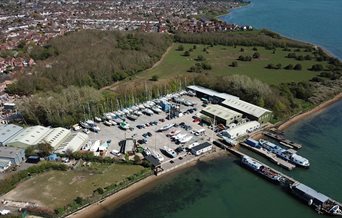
(255, 49)
(234, 64)
(298, 67)
(194, 47)
(44, 149)
(78, 200)
(186, 54)
(278, 66)
(289, 67)
(200, 58)
(180, 48)
(154, 78)
(317, 67)
(206, 66)
(242, 49)
(256, 55)
(300, 58)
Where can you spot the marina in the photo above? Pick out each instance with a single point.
(320, 202)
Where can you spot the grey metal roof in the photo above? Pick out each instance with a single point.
(10, 152)
(210, 92)
(245, 107)
(222, 112)
(154, 161)
(8, 131)
(201, 146)
(313, 193)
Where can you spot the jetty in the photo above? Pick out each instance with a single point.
(282, 140)
(270, 156)
(318, 201)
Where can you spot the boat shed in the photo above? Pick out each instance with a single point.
(57, 136)
(74, 142)
(7, 132)
(220, 114)
(29, 136)
(308, 193)
(201, 148)
(241, 130)
(211, 95)
(15, 155)
(251, 111)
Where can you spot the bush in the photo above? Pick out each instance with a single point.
(289, 67)
(234, 64)
(186, 53)
(180, 48)
(154, 78)
(317, 67)
(298, 67)
(256, 55)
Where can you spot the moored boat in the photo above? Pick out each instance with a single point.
(170, 151)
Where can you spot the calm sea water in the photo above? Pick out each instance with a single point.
(315, 21)
(222, 188)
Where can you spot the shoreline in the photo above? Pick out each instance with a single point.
(317, 109)
(129, 193)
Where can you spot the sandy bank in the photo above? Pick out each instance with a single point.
(136, 189)
(315, 110)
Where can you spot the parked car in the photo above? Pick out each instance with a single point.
(162, 120)
(140, 126)
(149, 134)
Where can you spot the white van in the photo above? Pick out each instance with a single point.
(199, 132)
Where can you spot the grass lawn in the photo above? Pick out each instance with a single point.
(220, 57)
(55, 189)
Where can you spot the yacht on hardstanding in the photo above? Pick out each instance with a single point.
(166, 127)
(158, 156)
(170, 151)
(185, 139)
(156, 110)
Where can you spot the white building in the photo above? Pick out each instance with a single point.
(241, 130)
(4, 164)
(74, 142)
(201, 148)
(56, 137)
(29, 136)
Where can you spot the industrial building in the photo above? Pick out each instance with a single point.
(201, 148)
(219, 114)
(232, 102)
(249, 110)
(4, 164)
(56, 137)
(73, 142)
(15, 155)
(241, 130)
(7, 132)
(211, 95)
(29, 136)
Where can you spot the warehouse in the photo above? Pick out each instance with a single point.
(56, 137)
(251, 111)
(201, 148)
(211, 95)
(7, 132)
(15, 155)
(4, 164)
(220, 114)
(29, 136)
(241, 130)
(74, 142)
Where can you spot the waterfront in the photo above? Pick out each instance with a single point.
(222, 188)
(315, 21)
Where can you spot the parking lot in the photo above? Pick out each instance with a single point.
(157, 140)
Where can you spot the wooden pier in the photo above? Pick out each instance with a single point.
(282, 140)
(272, 157)
(288, 182)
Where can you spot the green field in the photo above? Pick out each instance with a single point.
(220, 57)
(56, 189)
